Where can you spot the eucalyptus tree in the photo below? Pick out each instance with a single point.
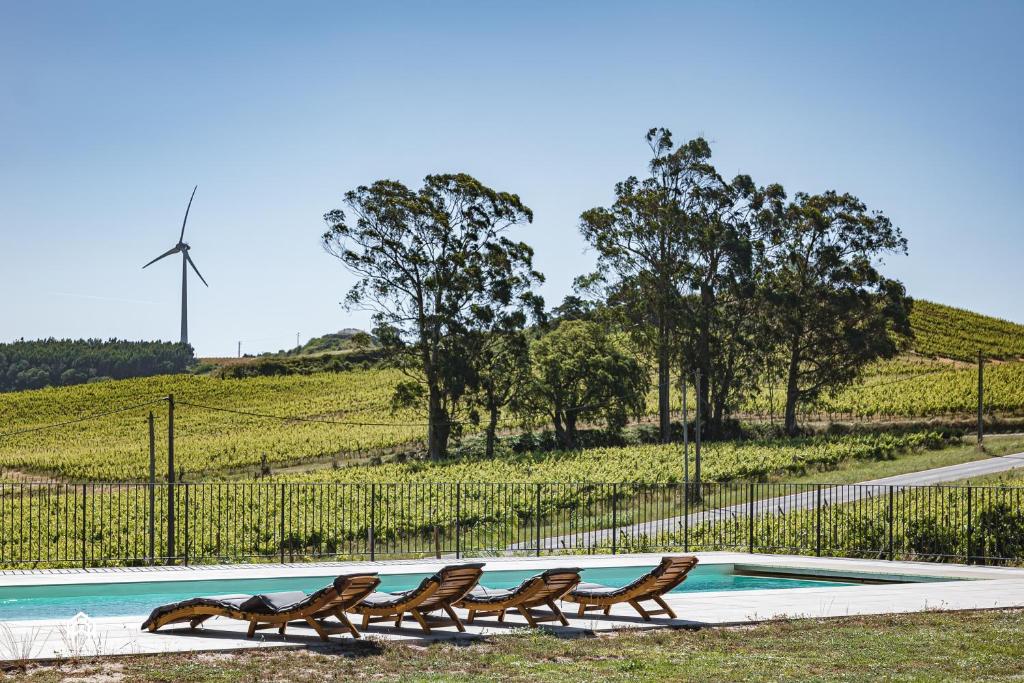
(676, 251)
(833, 310)
(436, 269)
(641, 244)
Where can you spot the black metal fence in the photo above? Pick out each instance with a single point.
(84, 525)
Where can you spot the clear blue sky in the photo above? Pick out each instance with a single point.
(110, 112)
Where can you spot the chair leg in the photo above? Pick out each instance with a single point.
(558, 612)
(343, 618)
(455, 617)
(366, 620)
(197, 621)
(398, 619)
(252, 629)
(422, 622)
(501, 617)
(525, 611)
(281, 630)
(472, 615)
(583, 609)
(316, 627)
(607, 610)
(641, 610)
(664, 605)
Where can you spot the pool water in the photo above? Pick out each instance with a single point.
(63, 601)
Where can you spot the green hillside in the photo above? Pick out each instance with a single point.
(947, 332)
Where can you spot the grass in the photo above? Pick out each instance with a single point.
(930, 646)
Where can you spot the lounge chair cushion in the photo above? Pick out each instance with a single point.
(482, 594)
(225, 601)
(269, 603)
(378, 599)
(594, 590)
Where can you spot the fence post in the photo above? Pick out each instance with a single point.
(892, 522)
(85, 493)
(686, 517)
(373, 522)
(615, 517)
(185, 550)
(750, 516)
(170, 479)
(152, 491)
(970, 523)
(458, 519)
(817, 525)
(280, 526)
(537, 516)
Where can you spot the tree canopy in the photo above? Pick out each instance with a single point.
(435, 268)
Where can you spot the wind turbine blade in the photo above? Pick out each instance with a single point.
(186, 213)
(173, 250)
(189, 259)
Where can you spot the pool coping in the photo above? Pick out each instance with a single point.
(211, 572)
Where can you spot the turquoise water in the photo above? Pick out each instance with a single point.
(121, 599)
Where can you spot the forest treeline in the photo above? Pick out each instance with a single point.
(64, 362)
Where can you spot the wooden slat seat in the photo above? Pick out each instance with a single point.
(438, 592)
(537, 591)
(652, 586)
(274, 610)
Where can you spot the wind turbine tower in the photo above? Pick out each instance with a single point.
(186, 261)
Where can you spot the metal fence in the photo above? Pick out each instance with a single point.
(85, 525)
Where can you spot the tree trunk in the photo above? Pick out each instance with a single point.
(492, 428)
(438, 428)
(664, 416)
(560, 436)
(570, 429)
(792, 391)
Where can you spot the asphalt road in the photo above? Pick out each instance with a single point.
(807, 499)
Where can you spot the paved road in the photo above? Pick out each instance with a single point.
(805, 500)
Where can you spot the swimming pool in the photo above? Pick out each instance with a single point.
(62, 601)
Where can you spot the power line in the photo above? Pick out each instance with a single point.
(84, 418)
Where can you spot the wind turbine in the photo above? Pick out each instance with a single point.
(186, 261)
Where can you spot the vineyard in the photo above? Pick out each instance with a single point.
(352, 410)
(338, 415)
(947, 332)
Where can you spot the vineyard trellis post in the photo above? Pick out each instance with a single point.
(170, 479)
(152, 490)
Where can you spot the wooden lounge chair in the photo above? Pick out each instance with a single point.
(651, 586)
(542, 589)
(274, 609)
(437, 592)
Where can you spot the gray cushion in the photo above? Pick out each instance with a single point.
(269, 603)
(482, 594)
(594, 590)
(378, 599)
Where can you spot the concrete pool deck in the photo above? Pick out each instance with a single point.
(979, 588)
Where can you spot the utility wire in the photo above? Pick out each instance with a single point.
(84, 418)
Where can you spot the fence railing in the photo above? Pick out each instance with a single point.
(87, 525)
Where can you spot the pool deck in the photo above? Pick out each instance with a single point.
(986, 588)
